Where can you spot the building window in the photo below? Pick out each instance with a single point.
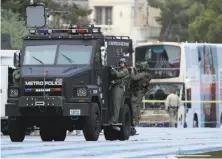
(103, 15)
(98, 15)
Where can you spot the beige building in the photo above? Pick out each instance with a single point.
(81, 3)
(134, 18)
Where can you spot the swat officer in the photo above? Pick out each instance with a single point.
(16, 77)
(140, 83)
(118, 88)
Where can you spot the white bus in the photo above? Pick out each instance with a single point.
(194, 70)
(6, 69)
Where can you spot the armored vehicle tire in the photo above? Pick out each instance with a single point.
(50, 131)
(46, 133)
(92, 125)
(59, 133)
(5, 132)
(16, 129)
(4, 127)
(124, 133)
(110, 133)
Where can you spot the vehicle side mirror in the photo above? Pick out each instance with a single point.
(16, 59)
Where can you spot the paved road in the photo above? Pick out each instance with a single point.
(151, 142)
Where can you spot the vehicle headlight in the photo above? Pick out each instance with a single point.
(81, 92)
(13, 92)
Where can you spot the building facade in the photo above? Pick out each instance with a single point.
(81, 3)
(134, 18)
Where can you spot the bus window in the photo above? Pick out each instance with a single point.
(160, 91)
(163, 60)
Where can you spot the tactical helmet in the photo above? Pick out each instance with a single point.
(144, 66)
(122, 60)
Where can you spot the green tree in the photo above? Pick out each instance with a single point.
(208, 26)
(70, 15)
(176, 15)
(11, 24)
(172, 19)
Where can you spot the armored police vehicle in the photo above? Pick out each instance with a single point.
(64, 84)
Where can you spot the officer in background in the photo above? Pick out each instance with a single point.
(16, 77)
(140, 83)
(172, 105)
(118, 88)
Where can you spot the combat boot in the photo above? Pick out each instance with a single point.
(112, 123)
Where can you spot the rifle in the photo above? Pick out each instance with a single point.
(117, 81)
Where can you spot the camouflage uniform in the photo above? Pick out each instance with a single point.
(140, 83)
(118, 89)
(16, 77)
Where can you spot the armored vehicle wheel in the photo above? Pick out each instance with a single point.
(4, 127)
(110, 133)
(46, 133)
(124, 133)
(59, 133)
(92, 125)
(16, 129)
(5, 132)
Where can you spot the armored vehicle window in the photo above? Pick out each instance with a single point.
(77, 54)
(38, 55)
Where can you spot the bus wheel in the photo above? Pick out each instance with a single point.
(124, 133)
(195, 121)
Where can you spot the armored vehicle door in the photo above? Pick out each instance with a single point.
(101, 76)
(119, 47)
